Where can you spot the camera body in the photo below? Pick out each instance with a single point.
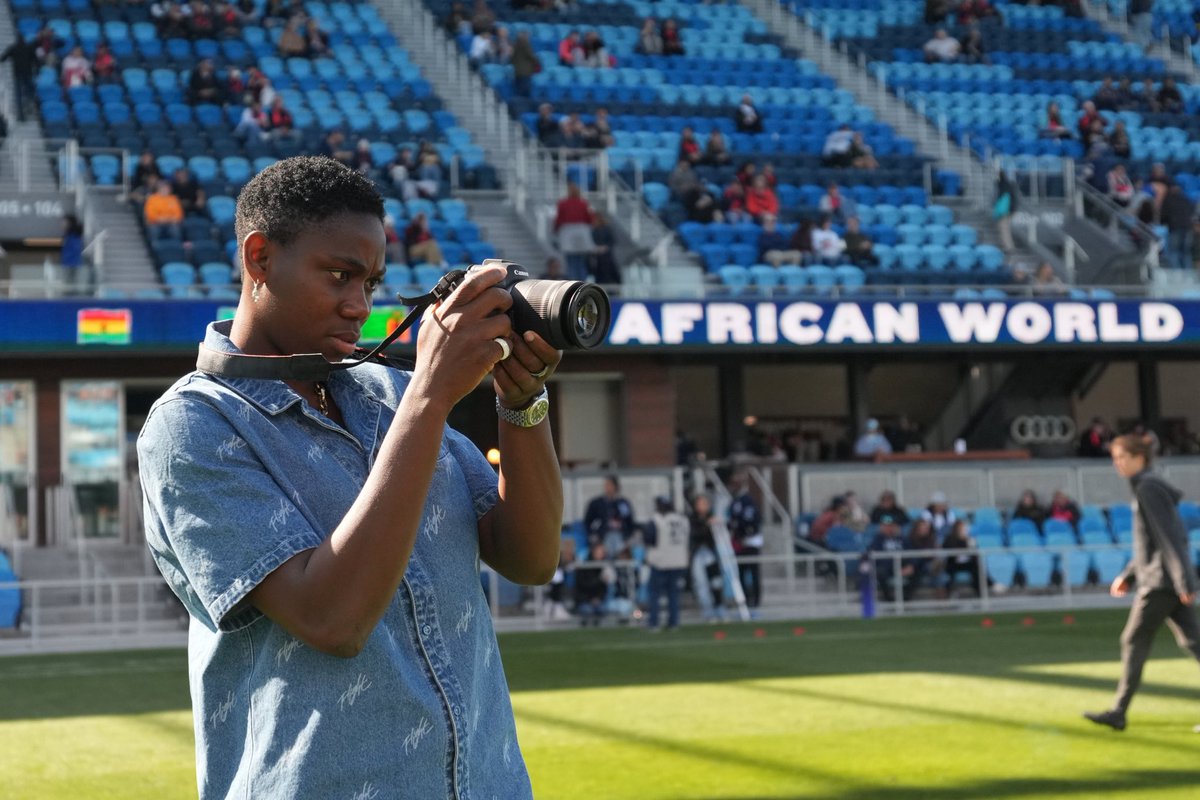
(569, 315)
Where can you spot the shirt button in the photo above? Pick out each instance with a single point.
(456, 711)
(427, 630)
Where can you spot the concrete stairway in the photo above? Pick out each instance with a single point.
(123, 259)
(501, 225)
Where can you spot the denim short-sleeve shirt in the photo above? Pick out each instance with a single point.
(240, 475)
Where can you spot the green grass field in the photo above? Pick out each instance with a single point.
(905, 709)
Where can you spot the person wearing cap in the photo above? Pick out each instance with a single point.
(887, 505)
(872, 443)
(667, 555)
(938, 513)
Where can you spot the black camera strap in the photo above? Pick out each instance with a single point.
(314, 366)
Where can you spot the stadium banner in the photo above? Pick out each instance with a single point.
(174, 325)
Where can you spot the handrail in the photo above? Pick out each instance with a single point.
(1087, 197)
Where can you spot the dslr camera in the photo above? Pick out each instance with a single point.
(569, 315)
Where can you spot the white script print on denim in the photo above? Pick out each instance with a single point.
(433, 521)
(417, 735)
(356, 689)
(464, 621)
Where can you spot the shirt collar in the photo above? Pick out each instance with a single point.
(272, 396)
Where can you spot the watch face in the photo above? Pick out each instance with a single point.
(537, 412)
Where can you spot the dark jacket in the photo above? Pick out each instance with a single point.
(1160, 546)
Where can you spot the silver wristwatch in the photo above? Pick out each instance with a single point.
(528, 416)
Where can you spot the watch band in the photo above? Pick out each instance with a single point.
(528, 416)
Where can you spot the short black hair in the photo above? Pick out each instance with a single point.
(297, 192)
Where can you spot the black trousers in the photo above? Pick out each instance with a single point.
(1150, 610)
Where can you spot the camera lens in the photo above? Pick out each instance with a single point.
(569, 315)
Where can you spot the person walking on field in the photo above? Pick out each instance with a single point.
(1161, 571)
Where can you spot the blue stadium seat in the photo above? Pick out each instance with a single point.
(1038, 569)
(1109, 564)
(1001, 566)
(426, 276)
(734, 276)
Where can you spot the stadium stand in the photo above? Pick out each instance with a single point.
(364, 85)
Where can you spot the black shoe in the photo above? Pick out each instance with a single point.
(1114, 719)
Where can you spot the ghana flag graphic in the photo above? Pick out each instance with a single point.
(104, 326)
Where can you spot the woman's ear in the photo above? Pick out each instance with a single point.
(256, 251)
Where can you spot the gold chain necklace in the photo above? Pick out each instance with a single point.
(322, 397)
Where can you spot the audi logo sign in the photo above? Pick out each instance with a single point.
(1042, 429)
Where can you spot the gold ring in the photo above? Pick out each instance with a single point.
(541, 373)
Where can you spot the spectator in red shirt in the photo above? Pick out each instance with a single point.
(1090, 115)
(104, 65)
(279, 120)
(761, 199)
(672, 41)
(420, 244)
(733, 202)
(689, 148)
(573, 224)
(570, 50)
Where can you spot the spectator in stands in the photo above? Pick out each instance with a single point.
(1158, 183)
(745, 174)
(667, 537)
(958, 538)
(104, 64)
(419, 243)
(145, 177)
(745, 529)
(1003, 208)
(872, 442)
(861, 155)
(570, 50)
(972, 47)
(1107, 98)
(71, 254)
(593, 582)
(191, 197)
(252, 123)
(200, 21)
(169, 20)
(1141, 20)
(457, 22)
(1053, 125)
(598, 134)
(279, 12)
(1120, 187)
(482, 50)
(650, 41)
(1029, 508)
(258, 88)
(602, 262)
(924, 568)
(859, 247)
(608, 518)
(316, 41)
(699, 203)
(1169, 98)
(856, 517)
(163, 213)
(1161, 570)
(773, 244)
(228, 20)
(835, 152)
(482, 17)
(1046, 281)
(573, 226)
(553, 269)
(1118, 140)
(942, 48)
(887, 573)
(235, 84)
(556, 608)
(970, 12)
(429, 172)
(761, 200)
(1063, 508)
(833, 515)
(24, 57)
(571, 130)
(1147, 97)
(802, 241)
(248, 12)
(1177, 214)
(595, 54)
(503, 46)
(672, 39)
(828, 246)
(1095, 440)
(293, 42)
(335, 147)
(836, 205)
(716, 151)
(525, 64)
(733, 203)
(938, 513)
(280, 121)
(887, 504)
(1127, 98)
(1088, 116)
(689, 148)
(204, 86)
(76, 69)
(46, 47)
(547, 127)
(746, 116)
(364, 160)
(936, 11)
(394, 247)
